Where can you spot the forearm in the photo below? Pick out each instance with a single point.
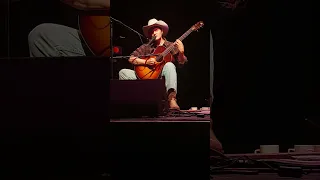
(182, 58)
(137, 61)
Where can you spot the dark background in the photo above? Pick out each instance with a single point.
(266, 87)
(265, 84)
(25, 15)
(3, 29)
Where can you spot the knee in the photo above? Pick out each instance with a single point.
(38, 32)
(170, 65)
(123, 73)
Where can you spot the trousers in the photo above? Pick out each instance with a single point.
(169, 72)
(54, 40)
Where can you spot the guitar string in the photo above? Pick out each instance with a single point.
(170, 48)
(181, 38)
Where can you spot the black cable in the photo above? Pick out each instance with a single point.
(220, 154)
(282, 169)
(310, 121)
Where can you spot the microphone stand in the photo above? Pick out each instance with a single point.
(120, 57)
(111, 42)
(111, 46)
(140, 35)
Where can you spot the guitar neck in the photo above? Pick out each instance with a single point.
(181, 38)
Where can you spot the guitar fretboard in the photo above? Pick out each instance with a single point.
(181, 38)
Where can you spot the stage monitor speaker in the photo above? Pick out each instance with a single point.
(137, 98)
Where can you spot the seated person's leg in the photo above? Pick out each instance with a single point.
(53, 40)
(170, 75)
(127, 74)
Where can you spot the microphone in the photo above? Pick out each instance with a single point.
(151, 40)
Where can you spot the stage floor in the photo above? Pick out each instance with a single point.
(164, 119)
(182, 116)
(267, 166)
(263, 176)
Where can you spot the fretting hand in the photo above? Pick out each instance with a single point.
(179, 45)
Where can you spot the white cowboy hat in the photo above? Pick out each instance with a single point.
(155, 23)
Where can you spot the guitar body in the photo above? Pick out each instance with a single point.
(95, 31)
(153, 72)
(94, 27)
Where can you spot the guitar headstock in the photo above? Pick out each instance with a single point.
(197, 26)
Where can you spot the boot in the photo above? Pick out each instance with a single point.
(173, 101)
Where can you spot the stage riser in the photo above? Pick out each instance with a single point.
(167, 150)
(137, 98)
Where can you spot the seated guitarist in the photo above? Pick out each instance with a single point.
(54, 40)
(159, 29)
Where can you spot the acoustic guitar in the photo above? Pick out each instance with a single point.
(162, 56)
(94, 27)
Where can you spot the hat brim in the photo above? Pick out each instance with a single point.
(162, 25)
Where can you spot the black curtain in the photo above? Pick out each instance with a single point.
(262, 76)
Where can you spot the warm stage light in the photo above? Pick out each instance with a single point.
(117, 50)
